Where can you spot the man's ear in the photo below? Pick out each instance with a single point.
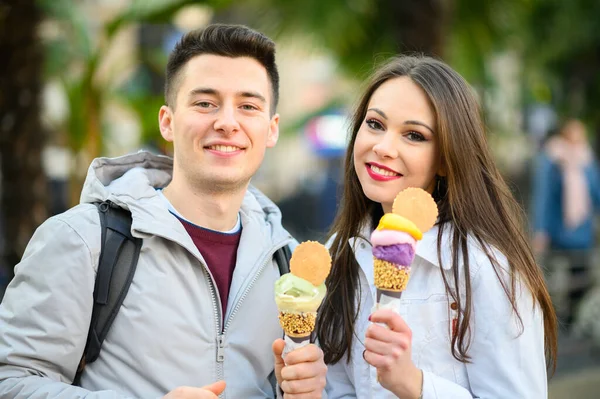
(165, 122)
(273, 134)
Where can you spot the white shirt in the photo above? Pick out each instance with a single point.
(504, 363)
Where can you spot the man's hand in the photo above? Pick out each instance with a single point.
(303, 373)
(208, 392)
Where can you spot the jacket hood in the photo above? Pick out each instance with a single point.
(130, 181)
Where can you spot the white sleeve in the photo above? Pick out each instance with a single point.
(507, 358)
(435, 387)
(45, 316)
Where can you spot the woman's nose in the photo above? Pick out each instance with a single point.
(386, 147)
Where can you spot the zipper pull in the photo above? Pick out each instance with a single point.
(221, 348)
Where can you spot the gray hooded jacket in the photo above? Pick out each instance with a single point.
(168, 333)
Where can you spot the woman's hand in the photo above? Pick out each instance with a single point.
(389, 350)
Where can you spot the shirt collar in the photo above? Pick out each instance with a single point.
(426, 247)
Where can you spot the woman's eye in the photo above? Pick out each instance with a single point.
(374, 124)
(415, 136)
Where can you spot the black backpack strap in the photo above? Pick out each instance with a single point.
(118, 259)
(282, 257)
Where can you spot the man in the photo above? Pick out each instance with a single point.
(200, 309)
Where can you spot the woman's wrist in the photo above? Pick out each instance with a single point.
(412, 386)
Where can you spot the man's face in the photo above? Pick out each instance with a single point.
(220, 125)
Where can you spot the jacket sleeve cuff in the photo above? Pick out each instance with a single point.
(435, 387)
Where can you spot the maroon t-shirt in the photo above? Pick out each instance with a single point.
(219, 250)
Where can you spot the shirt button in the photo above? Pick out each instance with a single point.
(453, 306)
(362, 245)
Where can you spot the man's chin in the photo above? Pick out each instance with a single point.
(224, 184)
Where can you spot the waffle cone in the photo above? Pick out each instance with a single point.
(418, 206)
(311, 261)
(388, 277)
(297, 324)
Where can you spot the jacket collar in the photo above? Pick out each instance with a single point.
(130, 182)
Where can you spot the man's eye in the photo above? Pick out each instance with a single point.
(249, 107)
(204, 104)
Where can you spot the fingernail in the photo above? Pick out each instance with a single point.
(369, 317)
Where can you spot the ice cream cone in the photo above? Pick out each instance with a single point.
(297, 324)
(389, 276)
(394, 242)
(299, 294)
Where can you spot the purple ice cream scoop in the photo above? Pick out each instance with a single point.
(401, 254)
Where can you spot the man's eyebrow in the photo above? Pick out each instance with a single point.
(202, 90)
(253, 94)
(384, 116)
(246, 94)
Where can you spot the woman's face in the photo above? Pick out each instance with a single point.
(574, 132)
(397, 146)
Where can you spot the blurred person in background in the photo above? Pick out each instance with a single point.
(566, 194)
(200, 309)
(475, 320)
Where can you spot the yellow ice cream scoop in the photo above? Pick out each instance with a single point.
(392, 221)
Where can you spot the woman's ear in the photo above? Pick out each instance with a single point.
(442, 170)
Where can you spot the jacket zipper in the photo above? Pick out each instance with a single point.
(254, 279)
(220, 355)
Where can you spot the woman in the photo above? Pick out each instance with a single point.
(566, 199)
(476, 319)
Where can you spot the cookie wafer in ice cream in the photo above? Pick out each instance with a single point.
(394, 242)
(299, 294)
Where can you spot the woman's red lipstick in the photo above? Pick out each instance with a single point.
(378, 177)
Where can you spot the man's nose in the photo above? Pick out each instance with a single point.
(226, 121)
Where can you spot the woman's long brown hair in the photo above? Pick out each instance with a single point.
(473, 200)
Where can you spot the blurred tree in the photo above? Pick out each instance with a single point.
(75, 56)
(562, 48)
(355, 31)
(23, 203)
(462, 32)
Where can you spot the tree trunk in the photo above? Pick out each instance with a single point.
(23, 190)
(418, 26)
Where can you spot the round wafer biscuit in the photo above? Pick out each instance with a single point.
(311, 261)
(416, 205)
